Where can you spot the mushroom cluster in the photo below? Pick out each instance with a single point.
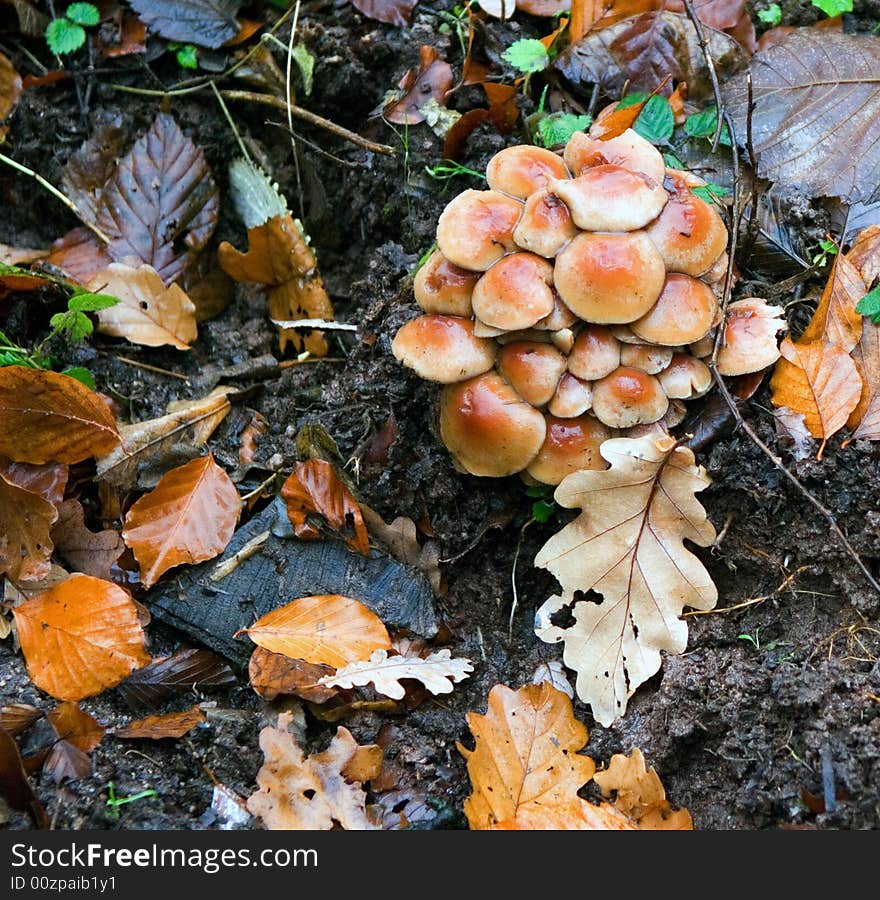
(575, 300)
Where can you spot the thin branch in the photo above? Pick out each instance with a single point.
(710, 64)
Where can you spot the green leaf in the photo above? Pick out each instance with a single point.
(527, 55)
(869, 305)
(559, 127)
(306, 64)
(833, 8)
(703, 125)
(83, 14)
(187, 56)
(673, 161)
(82, 375)
(64, 36)
(76, 324)
(710, 192)
(631, 100)
(656, 121)
(542, 510)
(87, 302)
(10, 358)
(772, 15)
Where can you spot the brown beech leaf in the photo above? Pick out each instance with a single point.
(25, 521)
(187, 670)
(835, 319)
(77, 735)
(89, 552)
(170, 725)
(10, 91)
(20, 591)
(864, 420)
(392, 12)
(89, 169)
(314, 793)
(731, 16)
(80, 638)
(314, 487)
(188, 517)
(148, 313)
(49, 481)
(432, 80)
(79, 254)
(327, 628)
(525, 770)
(15, 788)
(627, 546)
(273, 675)
(49, 417)
(18, 256)
(865, 254)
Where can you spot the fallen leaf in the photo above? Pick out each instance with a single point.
(18, 592)
(273, 675)
(49, 480)
(77, 735)
(392, 12)
(865, 254)
(15, 788)
(92, 167)
(18, 717)
(187, 670)
(627, 546)
(80, 637)
(400, 540)
(89, 552)
(229, 807)
(791, 431)
(553, 672)
(432, 80)
(327, 628)
(835, 319)
(777, 35)
(187, 518)
(18, 256)
(170, 725)
(25, 521)
(79, 255)
(314, 793)
(255, 427)
(130, 36)
(437, 672)
(49, 417)
(864, 420)
(206, 23)
(314, 487)
(730, 16)
(10, 91)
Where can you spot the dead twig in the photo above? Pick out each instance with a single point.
(149, 368)
(754, 601)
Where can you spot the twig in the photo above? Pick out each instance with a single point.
(754, 601)
(229, 119)
(515, 602)
(149, 368)
(288, 74)
(710, 64)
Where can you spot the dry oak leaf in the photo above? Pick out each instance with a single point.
(170, 725)
(78, 734)
(437, 672)
(314, 487)
(49, 417)
(525, 769)
(835, 320)
(314, 793)
(148, 313)
(89, 552)
(628, 546)
(327, 628)
(25, 522)
(80, 637)
(273, 674)
(864, 420)
(188, 517)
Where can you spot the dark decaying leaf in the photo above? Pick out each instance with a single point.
(392, 12)
(91, 168)
(89, 552)
(817, 104)
(274, 674)
(18, 717)
(432, 80)
(187, 670)
(48, 480)
(15, 789)
(207, 23)
(77, 735)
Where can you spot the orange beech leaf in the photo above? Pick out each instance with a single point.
(503, 110)
(25, 543)
(89, 552)
(49, 417)
(170, 725)
(327, 628)
(80, 637)
(835, 320)
(188, 517)
(273, 674)
(78, 734)
(864, 420)
(865, 254)
(432, 80)
(314, 486)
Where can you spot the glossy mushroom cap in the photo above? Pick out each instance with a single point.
(749, 343)
(532, 369)
(650, 358)
(628, 150)
(570, 445)
(521, 170)
(689, 234)
(561, 317)
(443, 348)
(628, 397)
(609, 278)
(545, 226)
(573, 397)
(488, 428)
(684, 312)
(515, 293)
(443, 288)
(685, 377)
(595, 353)
(476, 228)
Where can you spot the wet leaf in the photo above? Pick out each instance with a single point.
(89, 552)
(49, 481)
(170, 725)
(187, 670)
(392, 12)
(731, 16)
(93, 166)
(15, 788)
(80, 637)
(25, 522)
(207, 23)
(77, 735)
(273, 675)
(187, 518)
(627, 546)
(79, 255)
(327, 628)
(835, 319)
(432, 80)
(49, 417)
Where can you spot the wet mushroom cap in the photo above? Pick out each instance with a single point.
(443, 288)
(570, 445)
(685, 377)
(628, 150)
(749, 343)
(573, 397)
(488, 428)
(545, 226)
(443, 349)
(689, 234)
(595, 354)
(650, 358)
(684, 313)
(561, 318)
(532, 369)
(521, 170)
(515, 293)
(628, 397)
(476, 228)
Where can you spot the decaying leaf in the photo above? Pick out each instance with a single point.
(89, 552)
(49, 417)
(865, 417)
(627, 546)
(79, 255)
(187, 670)
(392, 12)
(15, 788)
(314, 793)
(437, 672)
(49, 481)
(20, 591)
(835, 319)
(170, 725)
(25, 521)
(553, 673)
(865, 254)
(273, 675)
(80, 637)
(188, 517)
(90, 168)
(327, 628)
(791, 431)
(432, 80)
(18, 717)
(206, 23)
(77, 735)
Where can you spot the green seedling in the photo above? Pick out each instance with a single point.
(187, 54)
(528, 56)
(67, 33)
(710, 191)
(656, 121)
(772, 15)
(869, 305)
(833, 8)
(826, 248)
(544, 508)
(704, 125)
(456, 21)
(447, 170)
(114, 802)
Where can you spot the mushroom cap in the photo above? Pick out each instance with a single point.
(675, 415)
(749, 343)
(570, 445)
(684, 312)
(545, 226)
(610, 198)
(573, 397)
(476, 228)
(532, 369)
(443, 288)
(523, 169)
(704, 347)
(628, 150)
(595, 354)
(488, 428)
(624, 334)
(685, 377)
(561, 317)
(689, 234)
(443, 348)
(609, 278)
(563, 340)
(515, 293)
(629, 397)
(719, 270)
(650, 358)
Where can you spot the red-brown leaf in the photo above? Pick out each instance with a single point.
(274, 674)
(25, 544)
(89, 552)
(170, 725)
(78, 734)
(79, 255)
(865, 418)
(15, 789)
(48, 481)
(432, 80)
(392, 12)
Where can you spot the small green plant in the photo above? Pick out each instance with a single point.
(704, 124)
(447, 170)
(114, 802)
(833, 8)
(772, 15)
(543, 509)
(68, 32)
(656, 121)
(869, 305)
(710, 191)
(456, 21)
(528, 56)
(557, 128)
(187, 54)
(826, 248)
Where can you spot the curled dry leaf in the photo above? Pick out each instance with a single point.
(188, 670)
(49, 417)
(80, 637)
(273, 675)
(835, 320)
(188, 517)
(791, 431)
(627, 546)
(89, 552)
(170, 725)
(432, 80)
(18, 717)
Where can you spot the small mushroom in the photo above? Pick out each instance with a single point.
(749, 343)
(595, 354)
(609, 278)
(570, 445)
(476, 228)
(628, 150)
(443, 348)
(523, 169)
(545, 226)
(443, 288)
(685, 377)
(488, 428)
(650, 358)
(629, 397)
(573, 397)
(561, 317)
(689, 234)
(563, 340)
(719, 269)
(532, 369)
(624, 334)
(674, 415)
(704, 347)
(684, 312)
(515, 293)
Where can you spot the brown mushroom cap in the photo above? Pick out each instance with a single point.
(689, 234)
(624, 334)
(609, 278)
(570, 445)
(684, 312)
(443, 348)
(515, 293)
(443, 288)
(704, 347)
(476, 228)
(595, 353)
(718, 271)
(561, 317)
(675, 415)
(650, 358)
(685, 377)
(749, 343)
(609, 198)
(628, 397)
(628, 150)
(545, 226)
(573, 397)
(521, 170)
(532, 369)
(488, 428)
